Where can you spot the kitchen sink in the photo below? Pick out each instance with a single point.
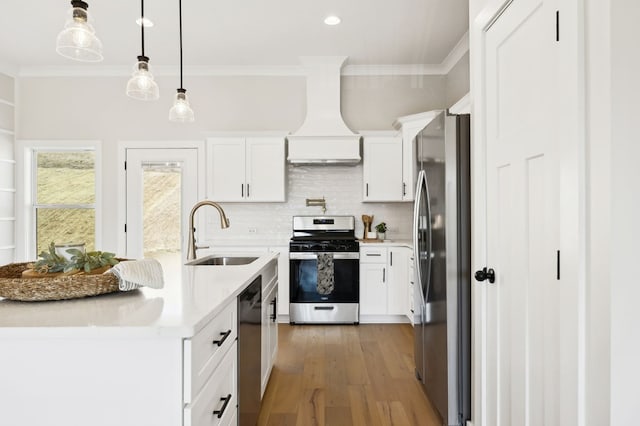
(215, 260)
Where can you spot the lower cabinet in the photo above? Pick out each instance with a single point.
(216, 404)
(384, 283)
(211, 373)
(269, 333)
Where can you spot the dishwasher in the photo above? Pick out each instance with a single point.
(249, 352)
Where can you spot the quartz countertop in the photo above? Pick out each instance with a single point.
(390, 243)
(192, 295)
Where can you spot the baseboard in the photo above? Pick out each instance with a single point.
(365, 319)
(383, 319)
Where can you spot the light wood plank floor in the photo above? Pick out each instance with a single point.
(345, 375)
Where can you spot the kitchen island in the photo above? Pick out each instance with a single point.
(147, 357)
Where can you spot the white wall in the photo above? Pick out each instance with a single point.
(457, 81)
(341, 186)
(7, 169)
(625, 211)
(96, 108)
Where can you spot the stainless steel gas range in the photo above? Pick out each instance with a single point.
(324, 264)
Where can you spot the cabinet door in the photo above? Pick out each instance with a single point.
(269, 335)
(373, 288)
(409, 173)
(265, 174)
(398, 281)
(216, 404)
(226, 169)
(382, 169)
(283, 279)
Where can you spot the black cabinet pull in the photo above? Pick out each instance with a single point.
(226, 400)
(224, 337)
(247, 190)
(391, 259)
(486, 274)
(384, 274)
(274, 315)
(367, 190)
(404, 189)
(242, 190)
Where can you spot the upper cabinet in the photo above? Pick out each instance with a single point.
(250, 169)
(410, 126)
(385, 175)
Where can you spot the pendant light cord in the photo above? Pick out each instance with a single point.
(142, 23)
(180, 16)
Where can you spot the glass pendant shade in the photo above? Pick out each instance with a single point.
(78, 40)
(141, 84)
(181, 111)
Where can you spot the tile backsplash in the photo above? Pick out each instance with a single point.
(341, 186)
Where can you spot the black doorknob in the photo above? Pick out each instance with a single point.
(486, 274)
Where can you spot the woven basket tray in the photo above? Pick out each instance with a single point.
(14, 287)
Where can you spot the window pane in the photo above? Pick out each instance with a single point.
(161, 211)
(64, 226)
(65, 177)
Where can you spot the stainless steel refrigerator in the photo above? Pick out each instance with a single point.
(441, 240)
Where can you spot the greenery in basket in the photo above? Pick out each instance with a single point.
(381, 227)
(51, 261)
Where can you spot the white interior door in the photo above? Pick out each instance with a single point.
(528, 377)
(162, 186)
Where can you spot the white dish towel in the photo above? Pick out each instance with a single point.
(133, 274)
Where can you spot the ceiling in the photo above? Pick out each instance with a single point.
(240, 33)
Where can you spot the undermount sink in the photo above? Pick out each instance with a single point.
(215, 260)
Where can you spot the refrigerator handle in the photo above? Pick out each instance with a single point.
(422, 190)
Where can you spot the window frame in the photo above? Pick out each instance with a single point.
(28, 190)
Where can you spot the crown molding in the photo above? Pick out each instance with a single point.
(458, 51)
(9, 70)
(382, 70)
(84, 70)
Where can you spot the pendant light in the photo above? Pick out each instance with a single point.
(78, 39)
(181, 112)
(141, 84)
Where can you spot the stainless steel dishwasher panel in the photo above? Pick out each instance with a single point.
(249, 352)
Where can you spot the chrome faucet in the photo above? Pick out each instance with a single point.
(224, 223)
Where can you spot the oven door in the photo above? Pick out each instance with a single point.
(303, 278)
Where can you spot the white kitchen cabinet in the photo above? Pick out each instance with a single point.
(373, 288)
(210, 371)
(382, 168)
(283, 280)
(383, 283)
(250, 169)
(388, 169)
(269, 330)
(398, 280)
(216, 404)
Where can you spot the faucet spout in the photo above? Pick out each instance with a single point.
(224, 223)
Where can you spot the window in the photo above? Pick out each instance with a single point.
(64, 197)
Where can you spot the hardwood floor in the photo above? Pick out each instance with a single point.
(345, 375)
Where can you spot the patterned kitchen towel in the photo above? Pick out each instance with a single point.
(326, 276)
(133, 274)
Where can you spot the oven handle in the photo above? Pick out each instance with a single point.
(312, 256)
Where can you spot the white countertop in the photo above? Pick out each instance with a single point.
(190, 298)
(390, 243)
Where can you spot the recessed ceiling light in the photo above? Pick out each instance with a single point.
(332, 20)
(147, 22)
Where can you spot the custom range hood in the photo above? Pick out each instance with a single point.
(323, 138)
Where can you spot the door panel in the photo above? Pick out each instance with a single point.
(523, 306)
(161, 186)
